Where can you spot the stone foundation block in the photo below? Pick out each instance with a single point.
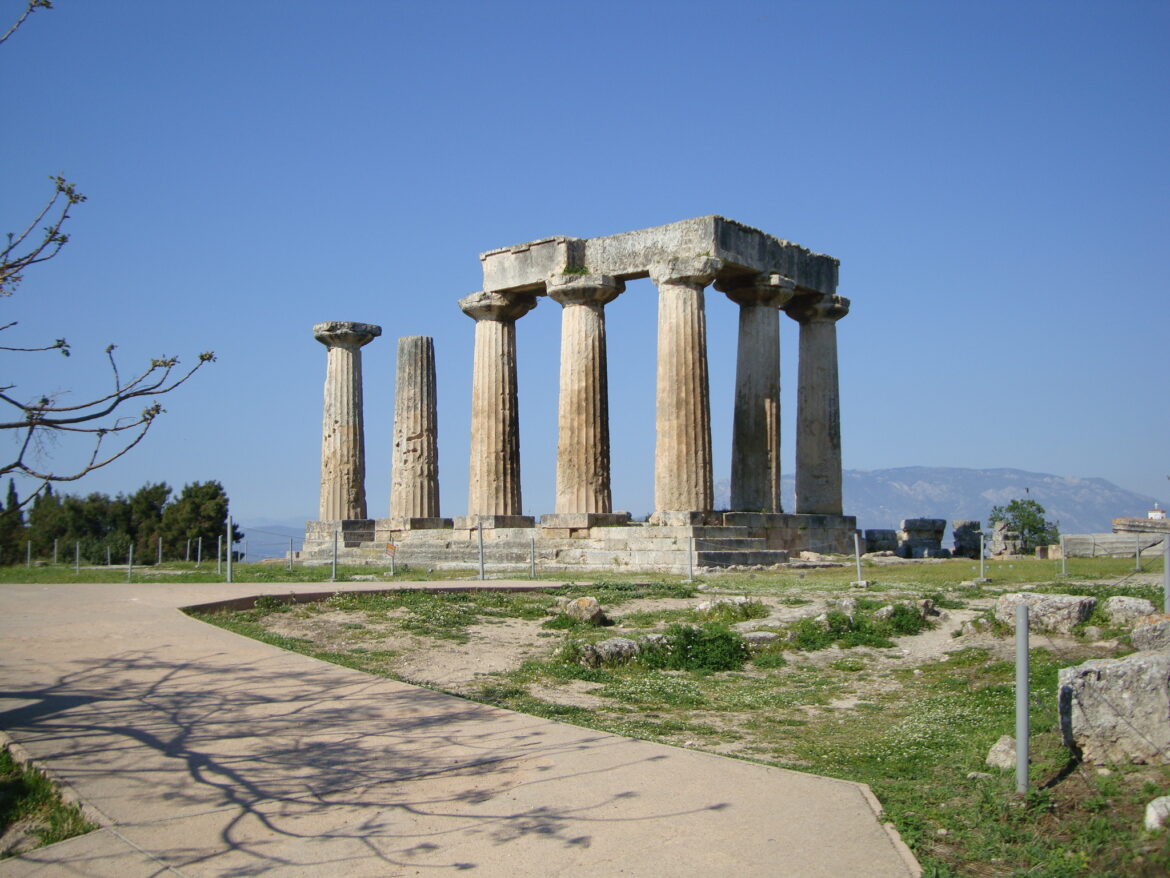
(471, 522)
(1118, 710)
(1046, 612)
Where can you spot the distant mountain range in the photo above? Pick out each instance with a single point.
(882, 498)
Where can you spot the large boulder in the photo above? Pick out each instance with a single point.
(1118, 710)
(1123, 610)
(1152, 632)
(586, 610)
(1046, 612)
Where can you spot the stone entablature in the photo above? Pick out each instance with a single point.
(630, 255)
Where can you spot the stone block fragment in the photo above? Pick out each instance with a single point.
(966, 535)
(1002, 754)
(1123, 610)
(1046, 612)
(1118, 710)
(1152, 633)
(586, 610)
(877, 540)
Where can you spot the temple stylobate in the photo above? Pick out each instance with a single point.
(763, 275)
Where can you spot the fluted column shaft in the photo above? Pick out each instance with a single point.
(755, 438)
(414, 485)
(583, 462)
(682, 452)
(494, 481)
(343, 452)
(818, 405)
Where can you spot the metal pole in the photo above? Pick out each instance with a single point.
(290, 553)
(1166, 574)
(130, 564)
(28, 554)
(218, 553)
(54, 550)
(160, 549)
(857, 555)
(532, 561)
(1137, 553)
(228, 538)
(393, 570)
(108, 562)
(1022, 698)
(244, 554)
(479, 530)
(333, 574)
(198, 551)
(690, 559)
(982, 558)
(188, 548)
(1063, 557)
(76, 558)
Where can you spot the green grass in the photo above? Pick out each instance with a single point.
(27, 796)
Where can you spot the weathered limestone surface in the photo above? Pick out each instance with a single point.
(966, 535)
(1046, 612)
(881, 540)
(629, 255)
(682, 451)
(1125, 610)
(921, 538)
(1118, 710)
(818, 404)
(343, 460)
(1152, 632)
(755, 437)
(583, 462)
(414, 485)
(494, 481)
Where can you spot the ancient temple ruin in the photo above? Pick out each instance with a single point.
(764, 276)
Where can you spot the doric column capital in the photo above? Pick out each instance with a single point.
(758, 289)
(690, 270)
(584, 289)
(501, 307)
(345, 333)
(817, 309)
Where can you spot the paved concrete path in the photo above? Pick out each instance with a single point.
(204, 753)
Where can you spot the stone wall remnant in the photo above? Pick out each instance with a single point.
(966, 535)
(922, 538)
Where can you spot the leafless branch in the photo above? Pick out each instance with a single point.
(12, 262)
(32, 4)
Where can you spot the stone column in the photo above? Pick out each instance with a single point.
(818, 404)
(414, 485)
(494, 483)
(343, 453)
(755, 437)
(682, 451)
(583, 421)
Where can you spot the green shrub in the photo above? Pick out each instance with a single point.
(729, 613)
(690, 648)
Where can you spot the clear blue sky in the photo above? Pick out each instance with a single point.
(993, 177)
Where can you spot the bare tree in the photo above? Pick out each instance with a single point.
(107, 423)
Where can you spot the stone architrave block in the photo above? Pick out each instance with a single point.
(877, 540)
(1152, 632)
(1046, 612)
(1123, 610)
(1118, 710)
(966, 534)
(917, 536)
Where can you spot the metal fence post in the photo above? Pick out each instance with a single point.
(857, 556)
(228, 539)
(109, 563)
(1063, 556)
(1022, 698)
(690, 559)
(532, 561)
(28, 554)
(198, 551)
(479, 530)
(76, 558)
(333, 576)
(54, 550)
(1166, 574)
(130, 564)
(290, 554)
(1137, 553)
(218, 553)
(160, 549)
(188, 549)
